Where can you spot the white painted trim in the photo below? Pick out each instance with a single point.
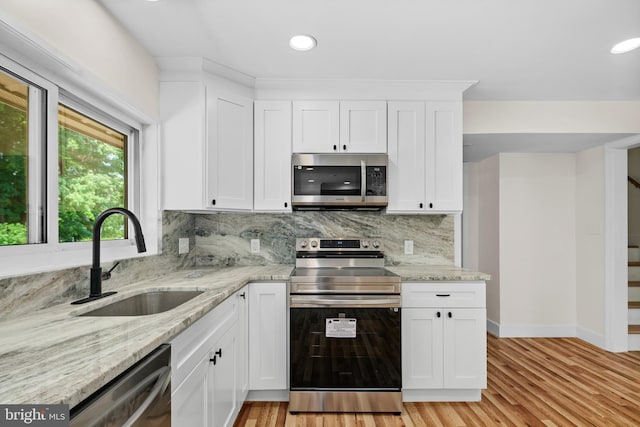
(268, 396)
(633, 342)
(174, 66)
(615, 220)
(493, 328)
(591, 337)
(322, 89)
(537, 331)
(442, 395)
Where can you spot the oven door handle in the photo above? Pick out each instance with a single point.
(315, 301)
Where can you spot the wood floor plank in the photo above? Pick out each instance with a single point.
(553, 382)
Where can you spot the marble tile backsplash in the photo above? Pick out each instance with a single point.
(29, 293)
(223, 239)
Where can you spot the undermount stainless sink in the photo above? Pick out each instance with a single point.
(143, 304)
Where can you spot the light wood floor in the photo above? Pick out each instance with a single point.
(531, 382)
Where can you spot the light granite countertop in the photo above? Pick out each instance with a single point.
(424, 273)
(54, 356)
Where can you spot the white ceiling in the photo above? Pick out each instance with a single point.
(516, 49)
(481, 146)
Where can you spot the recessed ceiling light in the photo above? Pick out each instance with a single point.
(302, 42)
(626, 46)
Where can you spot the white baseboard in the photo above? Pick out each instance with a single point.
(533, 331)
(493, 328)
(634, 342)
(591, 337)
(444, 395)
(268, 396)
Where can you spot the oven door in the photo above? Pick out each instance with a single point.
(344, 344)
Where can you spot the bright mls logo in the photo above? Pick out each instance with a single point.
(34, 415)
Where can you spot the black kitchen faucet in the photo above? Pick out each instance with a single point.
(95, 285)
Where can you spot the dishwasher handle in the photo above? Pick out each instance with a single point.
(162, 374)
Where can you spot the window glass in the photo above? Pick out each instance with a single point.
(20, 189)
(92, 176)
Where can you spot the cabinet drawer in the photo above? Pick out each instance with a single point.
(188, 348)
(443, 294)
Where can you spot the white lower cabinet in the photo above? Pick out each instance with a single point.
(207, 372)
(223, 380)
(268, 336)
(444, 353)
(240, 345)
(190, 400)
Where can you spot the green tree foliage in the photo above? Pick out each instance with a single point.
(13, 234)
(13, 165)
(91, 180)
(13, 181)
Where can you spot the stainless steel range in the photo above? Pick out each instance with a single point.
(344, 328)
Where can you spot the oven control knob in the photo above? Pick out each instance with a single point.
(365, 244)
(314, 244)
(376, 244)
(303, 244)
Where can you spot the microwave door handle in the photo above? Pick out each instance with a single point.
(363, 179)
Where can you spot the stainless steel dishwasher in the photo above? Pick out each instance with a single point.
(140, 396)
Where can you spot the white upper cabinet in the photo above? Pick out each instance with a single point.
(272, 150)
(182, 109)
(406, 156)
(425, 156)
(229, 151)
(444, 156)
(316, 126)
(363, 126)
(339, 127)
(207, 147)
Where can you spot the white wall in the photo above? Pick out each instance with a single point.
(590, 256)
(486, 117)
(537, 244)
(481, 229)
(524, 208)
(84, 33)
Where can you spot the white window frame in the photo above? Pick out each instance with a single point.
(53, 255)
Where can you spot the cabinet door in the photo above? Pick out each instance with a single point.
(223, 384)
(444, 156)
(465, 348)
(190, 401)
(268, 336)
(182, 110)
(229, 152)
(316, 126)
(422, 355)
(272, 148)
(363, 126)
(406, 156)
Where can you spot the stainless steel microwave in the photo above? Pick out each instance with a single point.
(339, 181)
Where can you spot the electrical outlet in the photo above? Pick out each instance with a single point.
(408, 247)
(255, 246)
(183, 245)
